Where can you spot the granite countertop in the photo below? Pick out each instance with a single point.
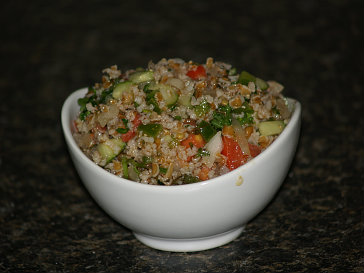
(49, 222)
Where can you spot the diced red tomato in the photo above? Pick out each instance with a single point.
(136, 121)
(204, 173)
(131, 133)
(195, 140)
(234, 156)
(254, 150)
(128, 135)
(197, 73)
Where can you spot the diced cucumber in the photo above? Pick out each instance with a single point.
(141, 76)
(152, 86)
(245, 77)
(169, 94)
(121, 88)
(262, 84)
(110, 148)
(269, 128)
(172, 141)
(185, 99)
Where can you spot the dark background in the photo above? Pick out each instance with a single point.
(48, 49)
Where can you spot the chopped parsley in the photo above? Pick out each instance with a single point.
(94, 100)
(188, 179)
(206, 130)
(125, 129)
(122, 130)
(150, 99)
(221, 117)
(151, 129)
(248, 114)
(163, 170)
(82, 102)
(202, 109)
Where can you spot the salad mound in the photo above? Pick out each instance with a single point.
(178, 122)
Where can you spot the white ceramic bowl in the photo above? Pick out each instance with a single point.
(187, 217)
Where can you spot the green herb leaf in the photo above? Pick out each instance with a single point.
(151, 129)
(202, 109)
(188, 179)
(146, 161)
(222, 116)
(150, 99)
(248, 114)
(206, 130)
(122, 130)
(82, 102)
(163, 170)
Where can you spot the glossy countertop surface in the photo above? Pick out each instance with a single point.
(49, 222)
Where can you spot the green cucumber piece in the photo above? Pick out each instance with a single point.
(269, 128)
(110, 148)
(168, 92)
(121, 88)
(152, 86)
(245, 77)
(262, 84)
(142, 76)
(170, 96)
(185, 99)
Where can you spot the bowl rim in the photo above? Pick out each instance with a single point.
(72, 145)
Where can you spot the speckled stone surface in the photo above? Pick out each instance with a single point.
(49, 222)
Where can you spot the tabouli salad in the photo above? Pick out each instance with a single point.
(178, 122)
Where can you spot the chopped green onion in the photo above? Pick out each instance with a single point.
(124, 163)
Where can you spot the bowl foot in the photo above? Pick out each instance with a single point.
(189, 245)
